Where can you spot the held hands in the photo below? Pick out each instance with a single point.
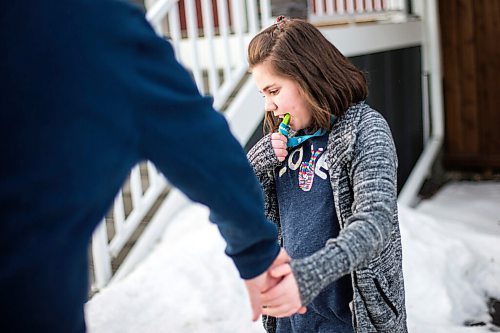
(283, 300)
(275, 292)
(262, 283)
(278, 142)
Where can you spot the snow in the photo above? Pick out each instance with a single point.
(451, 248)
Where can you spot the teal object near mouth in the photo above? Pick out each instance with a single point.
(297, 140)
(283, 128)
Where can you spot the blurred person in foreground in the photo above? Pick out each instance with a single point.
(87, 91)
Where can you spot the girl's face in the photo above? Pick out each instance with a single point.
(282, 95)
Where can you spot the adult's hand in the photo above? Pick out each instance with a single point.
(283, 300)
(262, 283)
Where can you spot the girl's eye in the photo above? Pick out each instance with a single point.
(273, 92)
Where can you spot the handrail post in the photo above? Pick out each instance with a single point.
(409, 192)
(100, 256)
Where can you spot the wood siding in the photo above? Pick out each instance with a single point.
(470, 38)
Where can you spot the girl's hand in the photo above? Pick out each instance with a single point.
(279, 141)
(283, 300)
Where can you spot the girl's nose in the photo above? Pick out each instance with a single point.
(269, 105)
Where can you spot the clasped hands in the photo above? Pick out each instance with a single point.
(275, 292)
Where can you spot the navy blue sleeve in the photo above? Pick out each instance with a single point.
(192, 145)
(87, 90)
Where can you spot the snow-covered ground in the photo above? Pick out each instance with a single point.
(451, 247)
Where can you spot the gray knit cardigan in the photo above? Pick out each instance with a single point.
(362, 165)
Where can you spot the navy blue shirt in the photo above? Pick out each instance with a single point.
(87, 90)
(308, 220)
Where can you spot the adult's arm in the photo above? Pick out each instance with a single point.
(192, 145)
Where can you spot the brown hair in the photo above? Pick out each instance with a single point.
(297, 50)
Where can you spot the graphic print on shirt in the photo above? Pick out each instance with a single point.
(307, 170)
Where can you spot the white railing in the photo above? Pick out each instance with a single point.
(222, 35)
(349, 10)
(212, 45)
(141, 191)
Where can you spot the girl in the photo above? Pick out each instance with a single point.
(330, 187)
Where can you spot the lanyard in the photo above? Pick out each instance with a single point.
(297, 140)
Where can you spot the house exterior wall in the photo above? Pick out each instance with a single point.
(471, 70)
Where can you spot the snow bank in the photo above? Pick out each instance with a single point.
(451, 247)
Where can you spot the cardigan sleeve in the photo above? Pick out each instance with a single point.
(263, 159)
(264, 162)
